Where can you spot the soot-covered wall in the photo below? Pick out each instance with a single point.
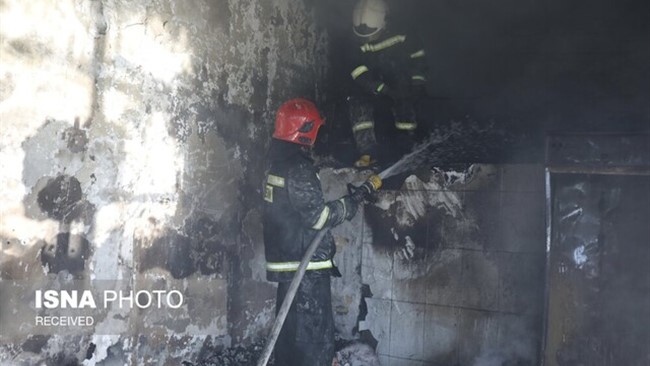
(446, 270)
(132, 133)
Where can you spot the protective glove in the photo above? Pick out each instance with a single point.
(351, 207)
(366, 191)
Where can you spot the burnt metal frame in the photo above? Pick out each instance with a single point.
(578, 168)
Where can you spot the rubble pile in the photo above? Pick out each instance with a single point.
(235, 356)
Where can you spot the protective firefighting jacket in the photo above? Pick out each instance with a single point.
(395, 65)
(294, 211)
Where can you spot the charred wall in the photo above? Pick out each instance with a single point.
(131, 135)
(131, 140)
(448, 268)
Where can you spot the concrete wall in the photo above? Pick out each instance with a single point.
(130, 136)
(454, 265)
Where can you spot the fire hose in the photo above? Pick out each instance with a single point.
(358, 194)
(291, 293)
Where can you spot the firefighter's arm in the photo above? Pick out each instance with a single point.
(306, 196)
(370, 83)
(367, 78)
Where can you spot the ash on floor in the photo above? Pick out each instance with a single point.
(234, 356)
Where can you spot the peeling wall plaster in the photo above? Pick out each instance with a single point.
(452, 266)
(131, 133)
(395, 225)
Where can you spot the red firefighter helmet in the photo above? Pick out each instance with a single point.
(298, 121)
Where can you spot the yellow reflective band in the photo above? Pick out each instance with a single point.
(380, 87)
(293, 266)
(383, 44)
(322, 219)
(359, 71)
(418, 77)
(274, 180)
(362, 126)
(268, 193)
(420, 53)
(408, 126)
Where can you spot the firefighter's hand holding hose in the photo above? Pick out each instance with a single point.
(366, 191)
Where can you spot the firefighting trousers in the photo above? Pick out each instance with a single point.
(362, 118)
(307, 336)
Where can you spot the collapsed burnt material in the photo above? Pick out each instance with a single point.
(234, 356)
(456, 143)
(460, 140)
(348, 350)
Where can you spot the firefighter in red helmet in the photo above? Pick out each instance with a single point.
(294, 212)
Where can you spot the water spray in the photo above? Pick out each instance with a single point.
(448, 145)
(405, 162)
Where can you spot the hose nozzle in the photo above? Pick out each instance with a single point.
(375, 182)
(366, 191)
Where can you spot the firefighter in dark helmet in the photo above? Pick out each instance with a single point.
(388, 67)
(294, 212)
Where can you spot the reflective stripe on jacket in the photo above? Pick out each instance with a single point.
(294, 211)
(293, 266)
(395, 62)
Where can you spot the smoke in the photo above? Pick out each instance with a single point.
(520, 349)
(500, 358)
